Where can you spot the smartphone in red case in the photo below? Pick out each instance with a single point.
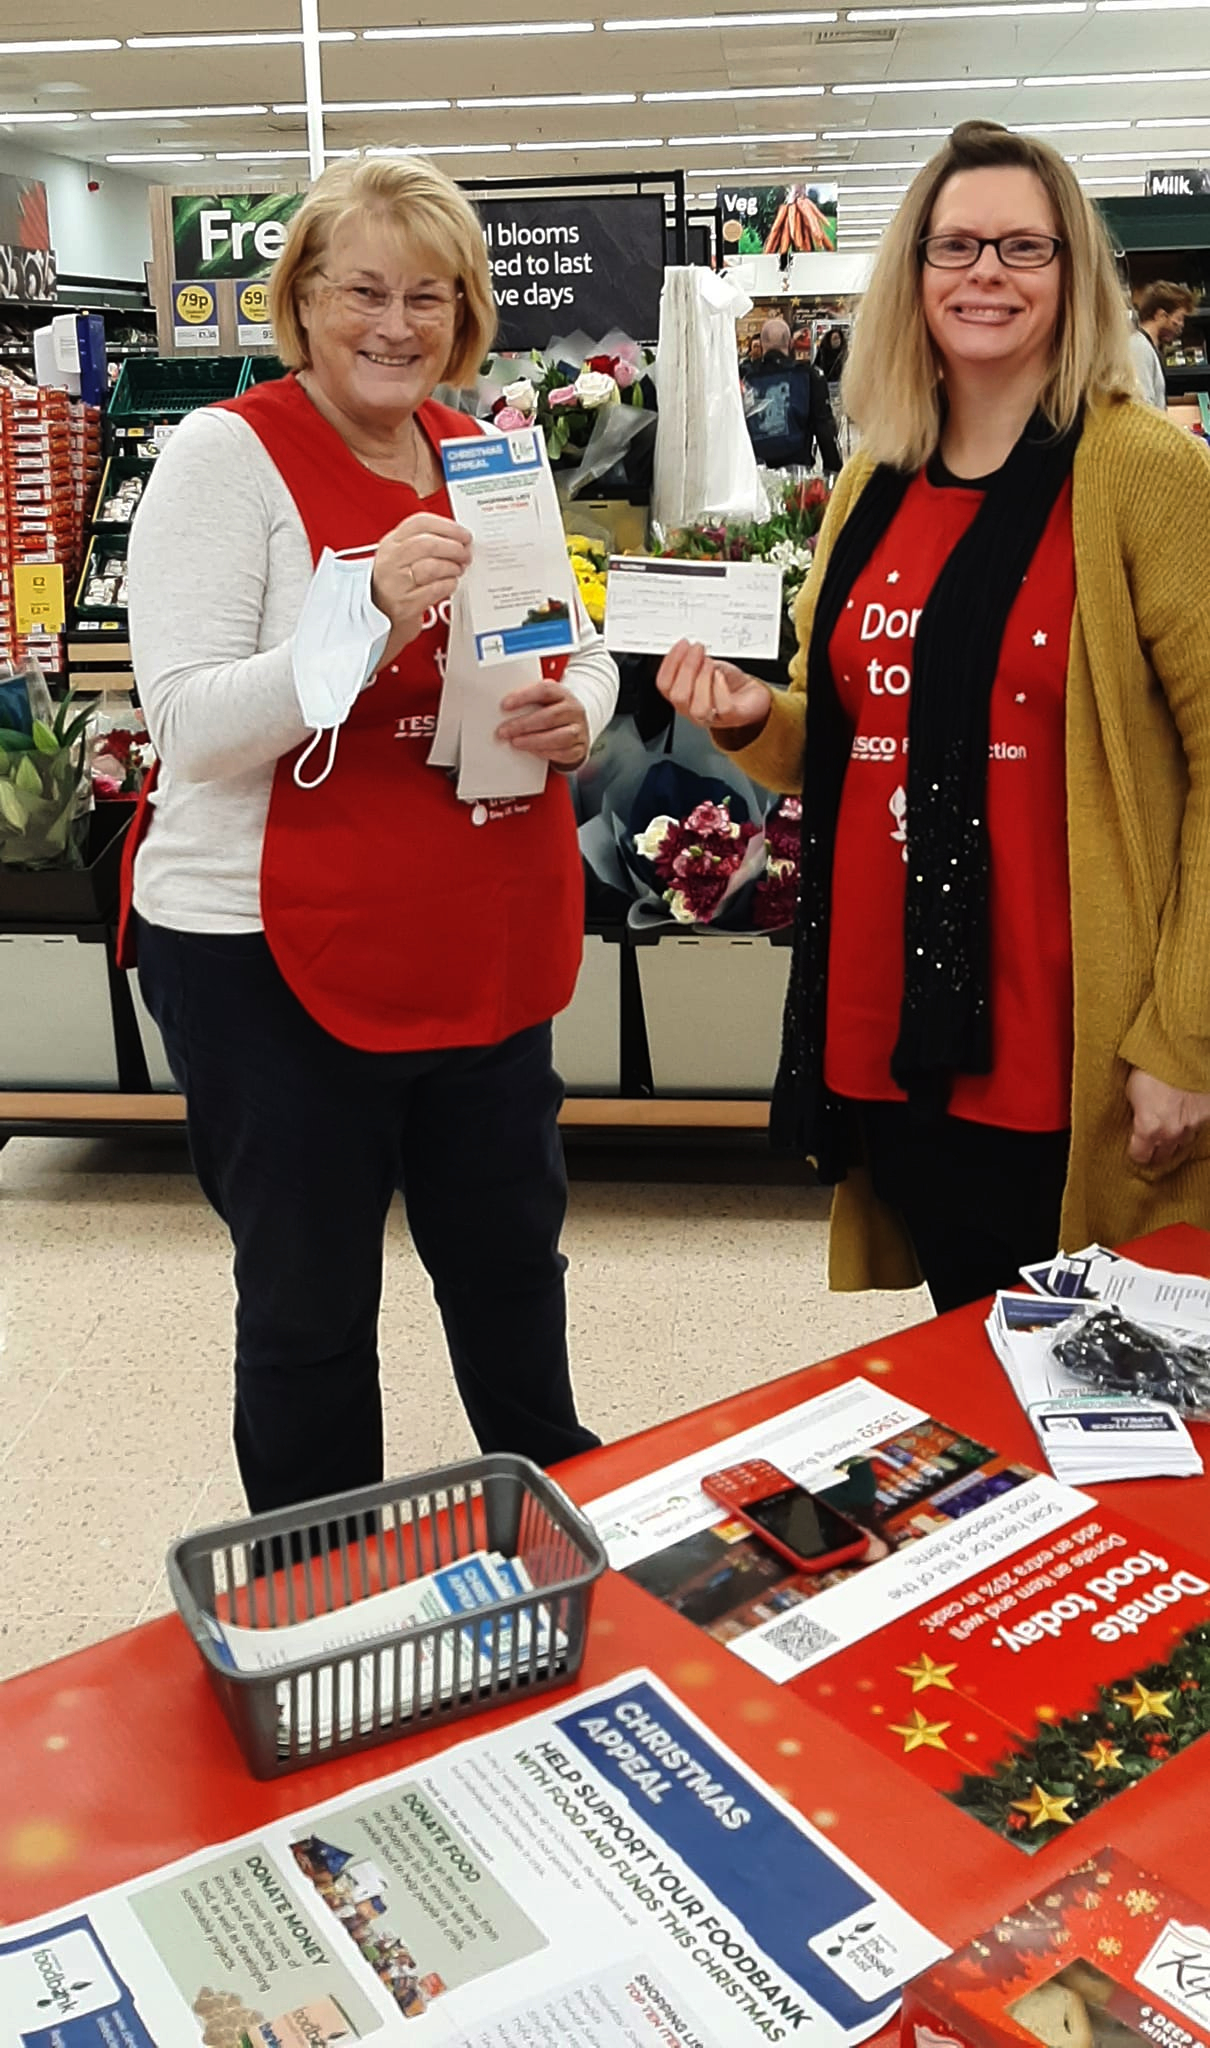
(798, 1525)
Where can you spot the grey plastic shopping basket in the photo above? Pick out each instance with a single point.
(294, 1565)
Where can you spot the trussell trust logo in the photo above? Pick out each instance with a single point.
(1177, 1969)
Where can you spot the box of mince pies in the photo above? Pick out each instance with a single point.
(1107, 1957)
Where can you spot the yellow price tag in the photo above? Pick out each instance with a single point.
(194, 304)
(39, 596)
(254, 302)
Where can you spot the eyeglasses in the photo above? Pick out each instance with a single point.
(1015, 252)
(428, 307)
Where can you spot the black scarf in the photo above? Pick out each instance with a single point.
(945, 1018)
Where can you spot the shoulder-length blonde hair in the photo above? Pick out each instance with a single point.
(427, 212)
(892, 386)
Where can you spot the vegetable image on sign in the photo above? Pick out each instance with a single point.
(239, 234)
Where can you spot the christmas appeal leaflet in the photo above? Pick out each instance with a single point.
(467, 1895)
(1027, 1651)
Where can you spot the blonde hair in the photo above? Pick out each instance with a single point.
(427, 211)
(892, 386)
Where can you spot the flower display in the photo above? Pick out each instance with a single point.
(44, 794)
(786, 538)
(776, 893)
(566, 398)
(698, 857)
(590, 566)
(120, 760)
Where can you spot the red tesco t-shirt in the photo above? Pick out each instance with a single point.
(1029, 1086)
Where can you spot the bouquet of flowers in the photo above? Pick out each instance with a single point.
(44, 785)
(776, 893)
(120, 760)
(787, 536)
(567, 390)
(703, 858)
(590, 566)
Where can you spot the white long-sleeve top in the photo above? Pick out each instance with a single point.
(219, 569)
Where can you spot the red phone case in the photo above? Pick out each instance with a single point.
(736, 1485)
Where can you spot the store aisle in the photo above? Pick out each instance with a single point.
(115, 1336)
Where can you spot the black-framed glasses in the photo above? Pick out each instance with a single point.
(1016, 252)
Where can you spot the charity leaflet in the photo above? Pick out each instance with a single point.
(732, 608)
(603, 1874)
(519, 585)
(1178, 1301)
(480, 1580)
(1087, 1437)
(1002, 1637)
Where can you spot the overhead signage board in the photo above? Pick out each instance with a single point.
(561, 264)
(1177, 184)
(239, 234)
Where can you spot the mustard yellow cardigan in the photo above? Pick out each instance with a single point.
(1138, 826)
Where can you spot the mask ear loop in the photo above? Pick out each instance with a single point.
(306, 754)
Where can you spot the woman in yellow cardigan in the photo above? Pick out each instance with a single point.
(997, 1036)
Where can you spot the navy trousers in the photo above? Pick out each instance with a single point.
(300, 1143)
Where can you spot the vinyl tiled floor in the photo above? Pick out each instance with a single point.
(689, 1281)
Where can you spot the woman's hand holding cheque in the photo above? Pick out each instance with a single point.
(712, 693)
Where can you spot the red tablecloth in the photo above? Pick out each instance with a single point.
(117, 1759)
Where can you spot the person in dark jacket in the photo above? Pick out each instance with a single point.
(788, 411)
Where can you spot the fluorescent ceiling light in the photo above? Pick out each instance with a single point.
(1117, 183)
(1145, 6)
(852, 191)
(717, 21)
(29, 120)
(173, 113)
(236, 39)
(554, 99)
(1123, 78)
(719, 141)
(880, 134)
(1066, 127)
(969, 13)
(1177, 121)
(479, 29)
(442, 149)
(154, 159)
(39, 49)
(574, 148)
(933, 85)
(1142, 156)
(366, 106)
(267, 156)
(743, 92)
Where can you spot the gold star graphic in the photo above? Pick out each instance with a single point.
(924, 1673)
(1143, 1704)
(1103, 1756)
(1043, 1806)
(920, 1733)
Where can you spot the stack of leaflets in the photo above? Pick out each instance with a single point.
(361, 1689)
(1090, 1437)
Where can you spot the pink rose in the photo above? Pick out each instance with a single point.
(508, 419)
(565, 395)
(624, 374)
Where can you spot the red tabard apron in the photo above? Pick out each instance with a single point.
(402, 919)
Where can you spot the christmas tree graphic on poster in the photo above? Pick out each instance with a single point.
(1031, 1698)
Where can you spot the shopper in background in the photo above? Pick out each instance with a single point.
(787, 407)
(832, 354)
(1162, 312)
(998, 1028)
(354, 972)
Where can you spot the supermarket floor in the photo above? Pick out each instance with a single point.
(691, 1277)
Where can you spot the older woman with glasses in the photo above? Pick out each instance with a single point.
(353, 971)
(998, 1030)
